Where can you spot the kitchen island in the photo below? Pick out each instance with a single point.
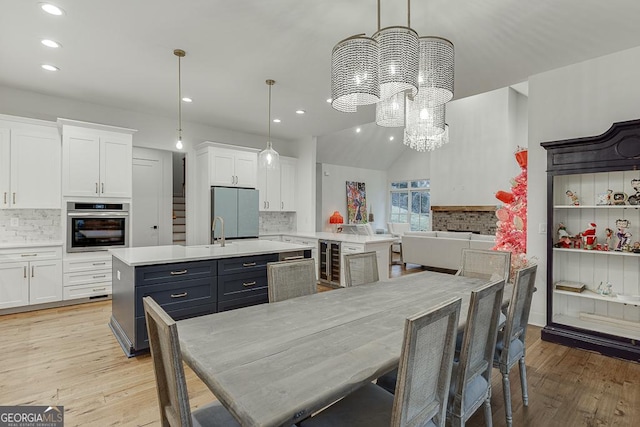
(189, 281)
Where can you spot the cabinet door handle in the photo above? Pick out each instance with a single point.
(290, 258)
(99, 276)
(268, 204)
(282, 205)
(233, 179)
(5, 197)
(96, 188)
(24, 255)
(248, 283)
(24, 272)
(99, 289)
(99, 263)
(102, 187)
(14, 198)
(248, 264)
(177, 273)
(33, 268)
(182, 295)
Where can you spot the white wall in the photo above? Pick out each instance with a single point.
(583, 99)
(334, 193)
(410, 165)
(479, 159)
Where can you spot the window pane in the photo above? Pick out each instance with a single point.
(422, 183)
(399, 206)
(399, 185)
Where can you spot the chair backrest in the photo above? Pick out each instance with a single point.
(478, 343)
(361, 268)
(291, 279)
(424, 373)
(171, 385)
(485, 264)
(519, 308)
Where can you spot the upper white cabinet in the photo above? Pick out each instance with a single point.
(232, 168)
(30, 154)
(277, 187)
(96, 159)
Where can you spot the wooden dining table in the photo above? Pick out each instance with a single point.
(275, 364)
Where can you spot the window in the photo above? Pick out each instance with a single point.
(410, 202)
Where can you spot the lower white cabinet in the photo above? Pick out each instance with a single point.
(87, 276)
(30, 276)
(305, 241)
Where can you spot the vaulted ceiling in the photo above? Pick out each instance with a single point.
(120, 52)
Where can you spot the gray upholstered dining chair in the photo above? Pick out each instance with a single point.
(510, 346)
(291, 279)
(424, 379)
(485, 264)
(171, 385)
(471, 377)
(361, 268)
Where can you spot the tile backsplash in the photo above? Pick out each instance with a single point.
(277, 222)
(33, 225)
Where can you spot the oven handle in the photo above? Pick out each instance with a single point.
(96, 214)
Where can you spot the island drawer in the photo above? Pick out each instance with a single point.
(241, 285)
(142, 338)
(164, 273)
(238, 265)
(242, 302)
(178, 295)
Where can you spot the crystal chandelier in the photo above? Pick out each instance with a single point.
(427, 143)
(269, 158)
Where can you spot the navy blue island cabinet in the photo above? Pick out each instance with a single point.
(184, 290)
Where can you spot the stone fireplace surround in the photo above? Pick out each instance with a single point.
(476, 219)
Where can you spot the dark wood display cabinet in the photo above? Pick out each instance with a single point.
(594, 180)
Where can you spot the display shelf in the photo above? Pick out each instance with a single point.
(597, 207)
(588, 251)
(596, 296)
(610, 326)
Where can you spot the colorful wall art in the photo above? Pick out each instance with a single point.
(356, 203)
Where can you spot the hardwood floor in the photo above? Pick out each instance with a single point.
(68, 356)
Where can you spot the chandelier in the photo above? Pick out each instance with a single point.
(409, 78)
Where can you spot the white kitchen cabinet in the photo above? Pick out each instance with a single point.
(30, 154)
(305, 241)
(30, 276)
(87, 275)
(277, 187)
(232, 168)
(96, 160)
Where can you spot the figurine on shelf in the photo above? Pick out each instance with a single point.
(573, 197)
(636, 248)
(564, 239)
(624, 237)
(604, 199)
(635, 198)
(589, 236)
(609, 234)
(605, 289)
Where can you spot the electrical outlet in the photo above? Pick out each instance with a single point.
(542, 228)
(15, 222)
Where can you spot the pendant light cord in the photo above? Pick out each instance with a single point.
(269, 125)
(408, 14)
(179, 100)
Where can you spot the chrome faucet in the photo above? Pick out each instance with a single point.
(213, 230)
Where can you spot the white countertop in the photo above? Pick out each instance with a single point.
(339, 237)
(175, 253)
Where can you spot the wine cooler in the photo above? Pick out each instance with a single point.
(329, 265)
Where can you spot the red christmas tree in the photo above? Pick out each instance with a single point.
(511, 234)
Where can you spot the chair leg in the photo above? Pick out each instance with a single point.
(506, 391)
(523, 381)
(488, 419)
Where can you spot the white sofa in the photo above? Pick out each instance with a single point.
(441, 249)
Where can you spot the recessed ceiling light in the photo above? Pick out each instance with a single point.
(300, 111)
(358, 130)
(276, 120)
(53, 10)
(186, 99)
(49, 67)
(390, 138)
(50, 43)
(329, 100)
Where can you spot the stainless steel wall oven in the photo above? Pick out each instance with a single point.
(97, 226)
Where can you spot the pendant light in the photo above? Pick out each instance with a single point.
(180, 54)
(269, 158)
